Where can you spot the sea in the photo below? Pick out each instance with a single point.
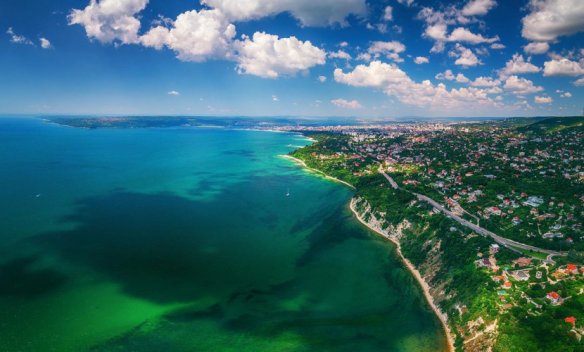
(190, 239)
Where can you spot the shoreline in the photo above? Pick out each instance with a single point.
(303, 164)
(417, 276)
(409, 266)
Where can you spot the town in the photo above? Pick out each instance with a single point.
(490, 212)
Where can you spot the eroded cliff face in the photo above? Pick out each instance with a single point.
(427, 255)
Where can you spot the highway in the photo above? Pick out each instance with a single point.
(500, 240)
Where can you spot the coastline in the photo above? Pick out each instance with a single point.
(303, 164)
(416, 274)
(411, 268)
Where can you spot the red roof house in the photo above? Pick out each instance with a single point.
(554, 297)
(571, 320)
(572, 269)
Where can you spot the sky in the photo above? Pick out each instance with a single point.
(363, 58)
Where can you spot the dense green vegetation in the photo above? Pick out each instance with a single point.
(555, 124)
(447, 255)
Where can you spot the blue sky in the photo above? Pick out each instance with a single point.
(292, 57)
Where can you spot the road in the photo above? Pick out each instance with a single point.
(391, 181)
(500, 240)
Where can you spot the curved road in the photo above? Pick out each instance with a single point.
(500, 240)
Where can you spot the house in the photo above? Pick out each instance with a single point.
(571, 320)
(484, 263)
(498, 278)
(534, 201)
(522, 261)
(552, 235)
(494, 248)
(507, 285)
(516, 220)
(493, 210)
(520, 275)
(538, 275)
(571, 269)
(558, 274)
(554, 297)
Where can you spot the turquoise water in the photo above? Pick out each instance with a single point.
(185, 240)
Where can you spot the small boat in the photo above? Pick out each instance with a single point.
(288, 193)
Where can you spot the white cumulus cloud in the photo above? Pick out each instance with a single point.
(194, 36)
(388, 13)
(395, 82)
(448, 75)
(268, 56)
(463, 35)
(465, 56)
(550, 19)
(486, 82)
(339, 54)
(563, 67)
(406, 2)
(439, 32)
(45, 43)
(17, 38)
(478, 7)
(536, 48)
(421, 60)
(521, 86)
(110, 20)
(307, 12)
(518, 65)
(173, 93)
(543, 100)
(390, 49)
(347, 104)
(438, 21)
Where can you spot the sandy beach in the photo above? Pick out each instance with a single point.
(425, 288)
(303, 164)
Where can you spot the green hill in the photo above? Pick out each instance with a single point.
(555, 124)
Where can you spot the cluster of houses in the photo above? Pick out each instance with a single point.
(521, 271)
(459, 154)
(459, 161)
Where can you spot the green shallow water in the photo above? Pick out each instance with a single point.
(185, 240)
